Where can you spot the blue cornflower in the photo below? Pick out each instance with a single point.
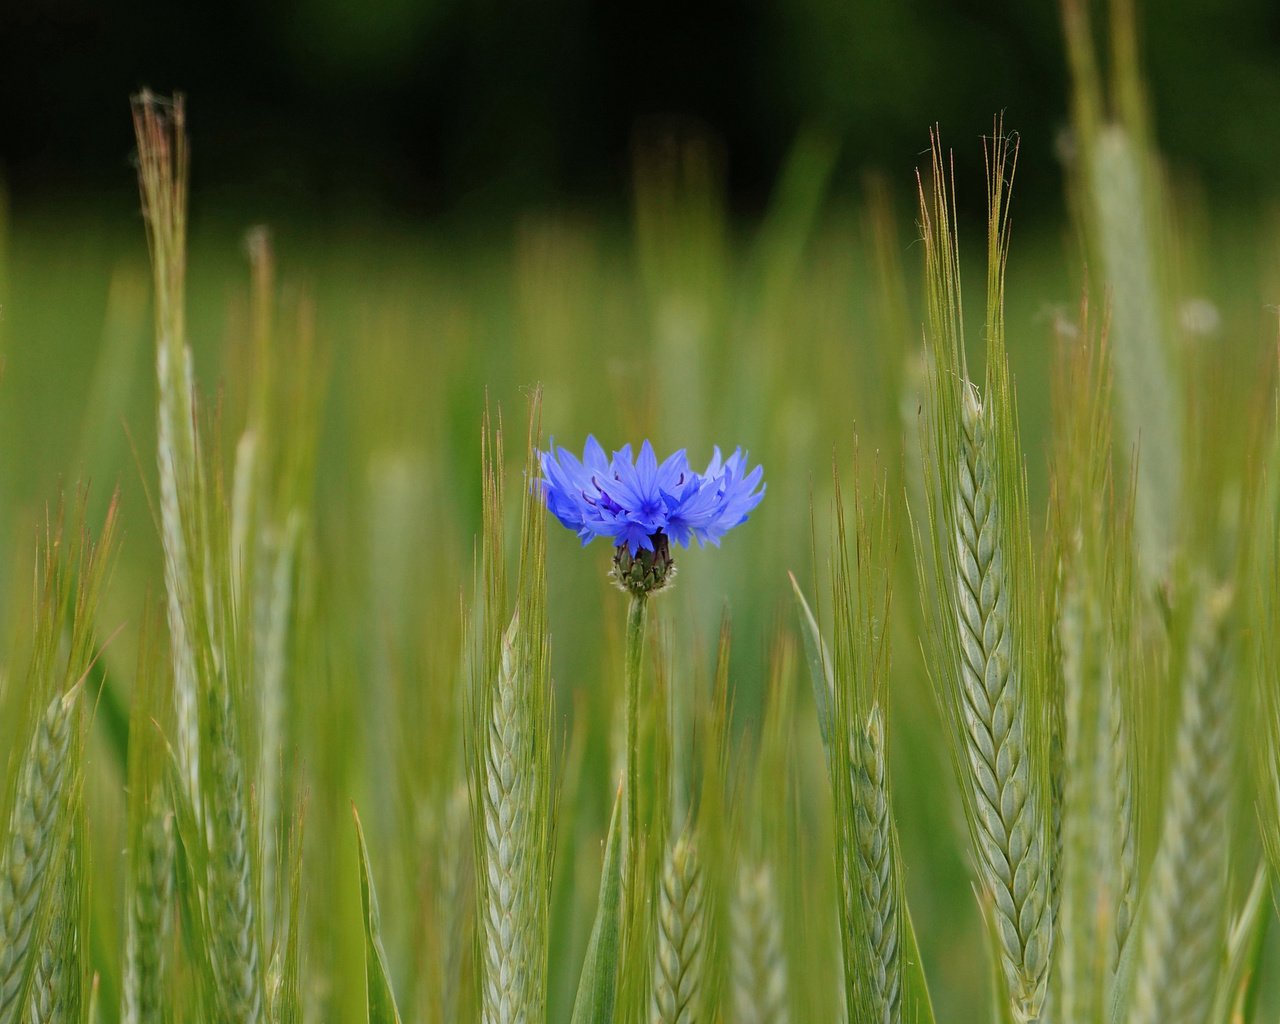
(641, 504)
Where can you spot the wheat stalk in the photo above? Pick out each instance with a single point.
(160, 128)
(176, 566)
(1078, 830)
(33, 837)
(275, 610)
(1182, 931)
(678, 949)
(147, 928)
(988, 635)
(1009, 830)
(759, 961)
(509, 754)
(1148, 399)
(870, 883)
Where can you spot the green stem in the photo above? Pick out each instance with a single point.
(635, 648)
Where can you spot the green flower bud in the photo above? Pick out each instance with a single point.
(645, 572)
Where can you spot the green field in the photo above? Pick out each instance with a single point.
(1038, 702)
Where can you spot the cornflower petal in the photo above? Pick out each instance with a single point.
(594, 458)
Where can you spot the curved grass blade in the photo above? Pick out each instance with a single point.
(916, 1001)
(820, 670)
(382, 1001)
(1122, 983)
(916, 1004)
(1237, 993)
(1002, 1001)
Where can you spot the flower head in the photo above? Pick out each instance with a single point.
(643, 505)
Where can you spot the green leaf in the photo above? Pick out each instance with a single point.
(382, 1002)
(290, 1009)
(918, 1006)
(597, 987)
(109, 710)
(1122, 984)
(1001, 1002)
(820, 670)
(94, 1014)
(1238, 983)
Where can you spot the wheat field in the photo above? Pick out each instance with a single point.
(948, 691)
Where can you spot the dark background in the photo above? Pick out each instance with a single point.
(406, 108)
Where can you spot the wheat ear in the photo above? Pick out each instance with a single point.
(33, 836)
(870, 885)
(1182, 932)
(1005, 794)
(147, 929)
(231, 904)
(509, 914)
(759, 962)
(56, 978)
(678, 951)
(50, 984)
(509, 755)
(1098, 868)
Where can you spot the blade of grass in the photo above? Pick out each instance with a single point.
(597, 989)
(381, 999)
(818, 658)
(1238, 983)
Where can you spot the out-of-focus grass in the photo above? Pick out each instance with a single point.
(685, 327)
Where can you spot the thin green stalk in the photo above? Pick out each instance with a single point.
(160, 127)
(1126, 840)
(636, 616)
(276, 610)
(1147, 395)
